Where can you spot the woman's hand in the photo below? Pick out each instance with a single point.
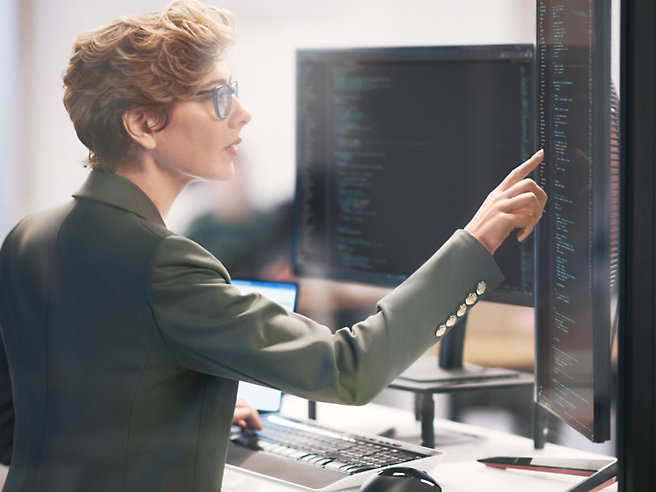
(245, 416)
(516, 203)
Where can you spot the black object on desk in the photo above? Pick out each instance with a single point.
(448, 374)
(401, 479)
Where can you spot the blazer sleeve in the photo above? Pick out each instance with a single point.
(211, 328)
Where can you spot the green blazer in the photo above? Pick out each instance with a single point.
(125, 343)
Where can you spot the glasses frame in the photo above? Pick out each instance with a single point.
(233, 90)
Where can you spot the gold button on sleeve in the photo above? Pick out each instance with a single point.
(480, 288)
(440, 331)
(471, 299)
(461, 310)
(451, 321)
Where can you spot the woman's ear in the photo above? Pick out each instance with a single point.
(139, 126)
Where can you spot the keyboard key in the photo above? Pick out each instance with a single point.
(297, 455)
(336, 465)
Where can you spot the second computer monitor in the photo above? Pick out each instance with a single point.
(578, 233)
(396, 150)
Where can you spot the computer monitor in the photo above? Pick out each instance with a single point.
(396, 150)
(578, 234)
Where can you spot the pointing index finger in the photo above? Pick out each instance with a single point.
(521, 171)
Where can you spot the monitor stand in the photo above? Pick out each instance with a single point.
(447, 374)
(450, 368)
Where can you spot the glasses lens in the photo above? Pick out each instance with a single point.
(223, 99)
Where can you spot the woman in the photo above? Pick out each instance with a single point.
(125, 342)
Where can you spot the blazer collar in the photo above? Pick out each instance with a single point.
(119, 192)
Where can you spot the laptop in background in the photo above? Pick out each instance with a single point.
(266, 400)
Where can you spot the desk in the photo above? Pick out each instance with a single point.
(458, 471)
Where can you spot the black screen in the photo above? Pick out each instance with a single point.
(396, 150)
(574, 245)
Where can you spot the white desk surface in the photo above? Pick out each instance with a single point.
(457, 472)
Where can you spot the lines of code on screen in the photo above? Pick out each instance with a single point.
(566, 132)
(398, 148)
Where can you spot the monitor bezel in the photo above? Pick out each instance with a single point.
(418, 53)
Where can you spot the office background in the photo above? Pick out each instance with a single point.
(41, 155)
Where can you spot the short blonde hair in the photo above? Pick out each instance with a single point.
(142, 63)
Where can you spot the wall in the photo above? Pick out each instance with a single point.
(9, 114)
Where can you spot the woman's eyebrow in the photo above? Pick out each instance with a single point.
(213, 83)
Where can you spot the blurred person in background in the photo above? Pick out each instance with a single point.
(252, 242)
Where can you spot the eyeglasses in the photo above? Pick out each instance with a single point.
(222, 96)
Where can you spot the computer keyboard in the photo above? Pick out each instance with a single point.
(313, 456)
